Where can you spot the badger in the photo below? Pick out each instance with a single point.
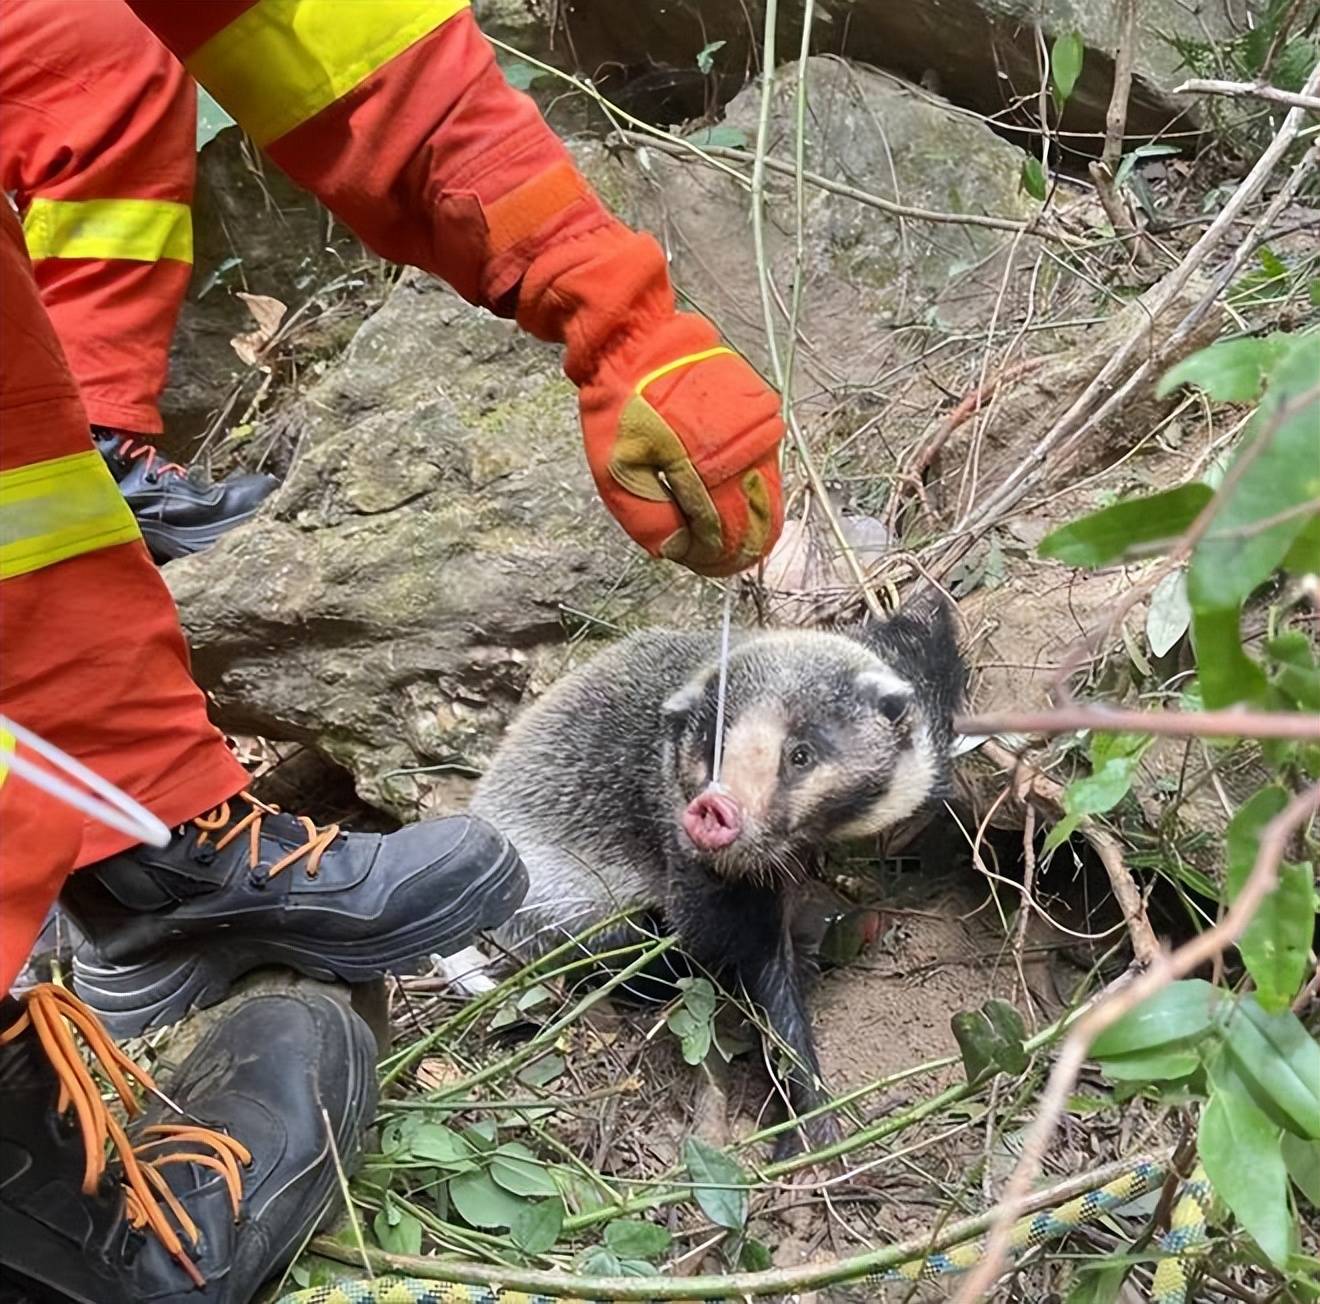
(605, 787)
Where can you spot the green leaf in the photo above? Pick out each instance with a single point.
(705, 59)
(719, 1184)
(482, 1203)
(728, 137)
(1129, 161)
(1232, 371)
(440, 1145)
(755, 1256)
(1296, 674)
(1227, 675)
(212, 118)
(1169, 613)
(1033, 179)
(1277, 941)
(1114, 761)
(541, 1072)
(1303, 557)
(518, 1170)
(699, 997)
(1162, 1064)
(1280, 1061)
(1302, 1160)
(481, 1136)
(1010, 1032)
(1066, 63)
(1181, 1010)
(630, 1238)
(1134, 527)
(600, 1262)
(1242, 548)
(397, 1232)
(1241, 1151)
(976, 1043)
(536, 1227)
(1101, 1284)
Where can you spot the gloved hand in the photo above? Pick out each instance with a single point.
(682, 435)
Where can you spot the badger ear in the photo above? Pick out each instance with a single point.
(683, 701)
(884, 693)
(921, 643)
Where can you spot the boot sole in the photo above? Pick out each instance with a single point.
(130, 999)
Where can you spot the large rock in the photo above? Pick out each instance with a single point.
(979, 53)
(438, 535)
(867, 276)
(253, 230)
(439, 539)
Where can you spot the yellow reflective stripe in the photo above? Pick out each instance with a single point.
(50, 511)
(679, 362)
(7, 745)
(283, 61)
(138, 230)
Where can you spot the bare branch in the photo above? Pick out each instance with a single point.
(1235, 723)
(677, 146)
(1112, 1006)
(1115, 379)
(1252, 90)
(1032, 784)
(1105, 170)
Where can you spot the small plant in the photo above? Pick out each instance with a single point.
(1237, 1050)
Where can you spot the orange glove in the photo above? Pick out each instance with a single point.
(682, 435)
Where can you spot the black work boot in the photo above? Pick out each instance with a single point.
(245, 886)
(245, 1157)
(176, 515)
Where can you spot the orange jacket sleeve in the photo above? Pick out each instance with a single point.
(396, 115)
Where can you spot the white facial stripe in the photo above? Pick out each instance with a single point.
(752, 749)
(914, 777)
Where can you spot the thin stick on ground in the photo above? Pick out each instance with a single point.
(1105, 169)
(1112, 1006)
(774, 1281)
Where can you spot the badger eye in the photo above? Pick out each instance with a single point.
(801, 756)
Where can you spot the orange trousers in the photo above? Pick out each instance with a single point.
(91, 654)
(98, 128)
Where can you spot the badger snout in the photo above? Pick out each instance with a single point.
(713, 820)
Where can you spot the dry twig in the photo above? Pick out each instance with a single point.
(1234, 723)
(1030, 783)
(1105, 169)
(1252, 90)
(1119, 1000)
(1114, 380)
(677, 146)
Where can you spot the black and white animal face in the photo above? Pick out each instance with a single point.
(824, 738)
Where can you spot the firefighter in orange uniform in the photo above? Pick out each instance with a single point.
(394, 113)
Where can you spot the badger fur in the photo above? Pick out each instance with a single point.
(604, 787)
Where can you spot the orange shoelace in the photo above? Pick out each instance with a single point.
(318, 840)
(56, 1016)
(133, 449)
